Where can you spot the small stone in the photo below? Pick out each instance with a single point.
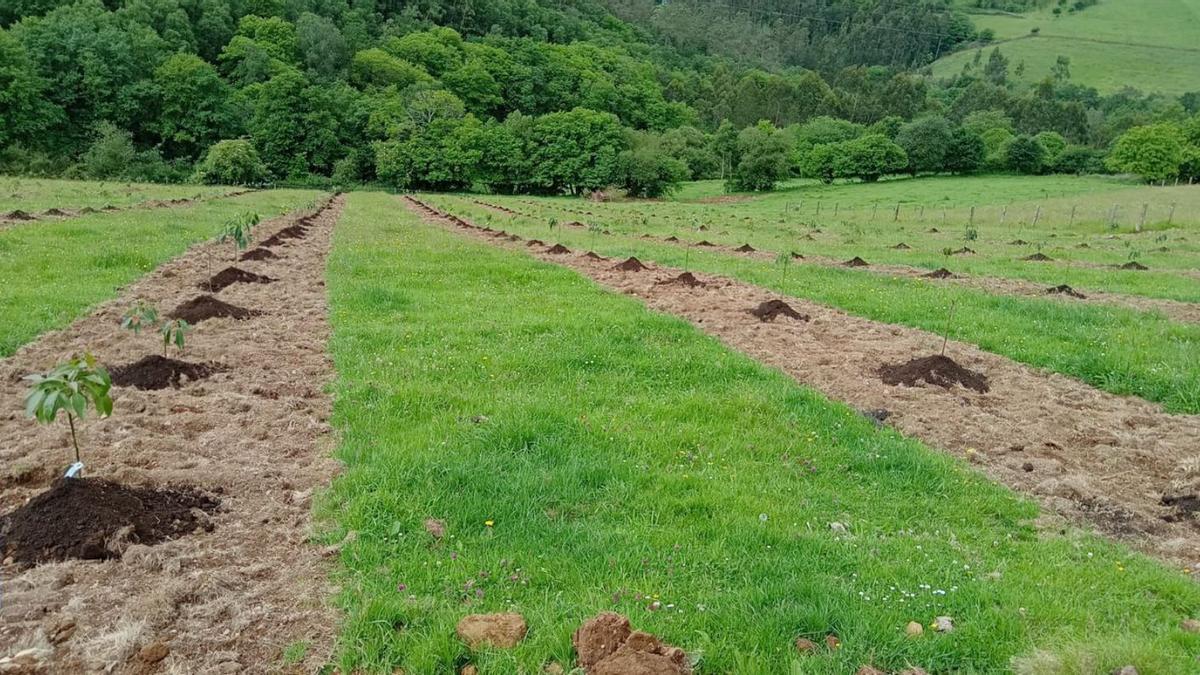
(502, 630)
(914, 629)
(943, 624)
(1190, 625)
(805, 646)
(154, 652)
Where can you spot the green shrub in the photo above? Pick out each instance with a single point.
(232, 162)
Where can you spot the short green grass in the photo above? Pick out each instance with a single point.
(1151, 45)
(622, 458)
(38, 194)
(52, 272)
(1118, 350)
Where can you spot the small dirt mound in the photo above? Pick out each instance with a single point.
(230, 276)
(293, 232)
(558, 249)
(705, 242)
(942, 371)
(963, 251)
(259, 254)
(18, 215)
(1083, 246)
(939, 273)
(207, 307)
(856, 262)
(1018, 242)
(95, 519)
(594, 256)
(630, 264)
(1063, 289)
(155, 372)
(607, 645)
(272, 241)
(933, 230)
(686, 279)
(772, 309)
(86, 210)
(1134, 265)
(808, 237)
(902, 247)
(1038, 257)
(797, 256)
(745, 248)
(55, 212)
(535, 242)
(672, 238)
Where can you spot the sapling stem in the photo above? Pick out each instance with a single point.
(949, 320)
(74, 441)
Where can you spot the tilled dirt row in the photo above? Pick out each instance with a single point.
(1120, 464)
(253, 435)
(1187, 312)
(17, 216)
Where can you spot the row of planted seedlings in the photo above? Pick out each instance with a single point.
(93, 518)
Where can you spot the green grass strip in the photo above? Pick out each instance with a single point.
(624, 458)
(54, 272)
(1118, 350)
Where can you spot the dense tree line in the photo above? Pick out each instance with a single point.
(518, 96)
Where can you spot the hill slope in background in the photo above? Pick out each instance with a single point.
(1151, 45)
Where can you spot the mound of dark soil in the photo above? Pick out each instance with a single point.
(856, 262)
(1082, 246)
(1038, 257)
(259, 254)
(94, 519)
(703, 228)
(18, 215)
(963, 251)
(296, 231)
(558, 249)
(939, 273)
(158, 372)
(797, 256)
(1184, 506)
(272, 241)
(705, 242)
(942, 371)
(513, 237)
(685, 279)
(204, 307)
(933, 230)
(535, 242)
(230, 276)
(1134, 265)
(902, 247)
(87, 209)
(499, 234)
(1018, 242)
(672, 238)
(771, 309)
(594, 256)
(1063, 289)
(55, 212)
(630, 264)
(745, 248)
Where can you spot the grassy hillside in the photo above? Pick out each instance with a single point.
(1153, 45)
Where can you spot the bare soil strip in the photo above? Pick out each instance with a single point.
(255, 435)
(18, 217)
(1120, 464)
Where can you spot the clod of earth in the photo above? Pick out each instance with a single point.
(933, 230)
(230, 276)
(96, 519)
(1038, 257)
(771, 309)
(630, 264)
(805, 646)
(18, 215)
(856, 262)
(159, 372)
(939, 273)
(705, 242)
(1134, 265)
(686, 279)
(1018, 242)
(745, 248)
(204, 307)
(502, 630)
(535, 242)
(259, 254)
(672, 238)
(1063, 289)
(594, 256)
(797, 256)
(558, 249)
(55, 212)
(902, 247)
(963, 251)
(607, 645)
(938, 370)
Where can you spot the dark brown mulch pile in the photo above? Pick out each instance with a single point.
(55, 212)
(939, 273)
(856, 262)
(1038, 257)
(1063, 289)
(672, 238)
(80, 518)
(685, 279)
(630, 264)
(745, 248)
(938, 370)
(18, 215)
(902, 247)
(594, 256)
(159, 372)
(963, 251)
(259, 254)
(933, 230)
(1134, 265)
(1018, 242)
(230, 276)
(204, 307)
(705, 242)
(772, 309)
(558, 249)
(535, 242)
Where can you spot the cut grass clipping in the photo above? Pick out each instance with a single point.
(585, 454)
